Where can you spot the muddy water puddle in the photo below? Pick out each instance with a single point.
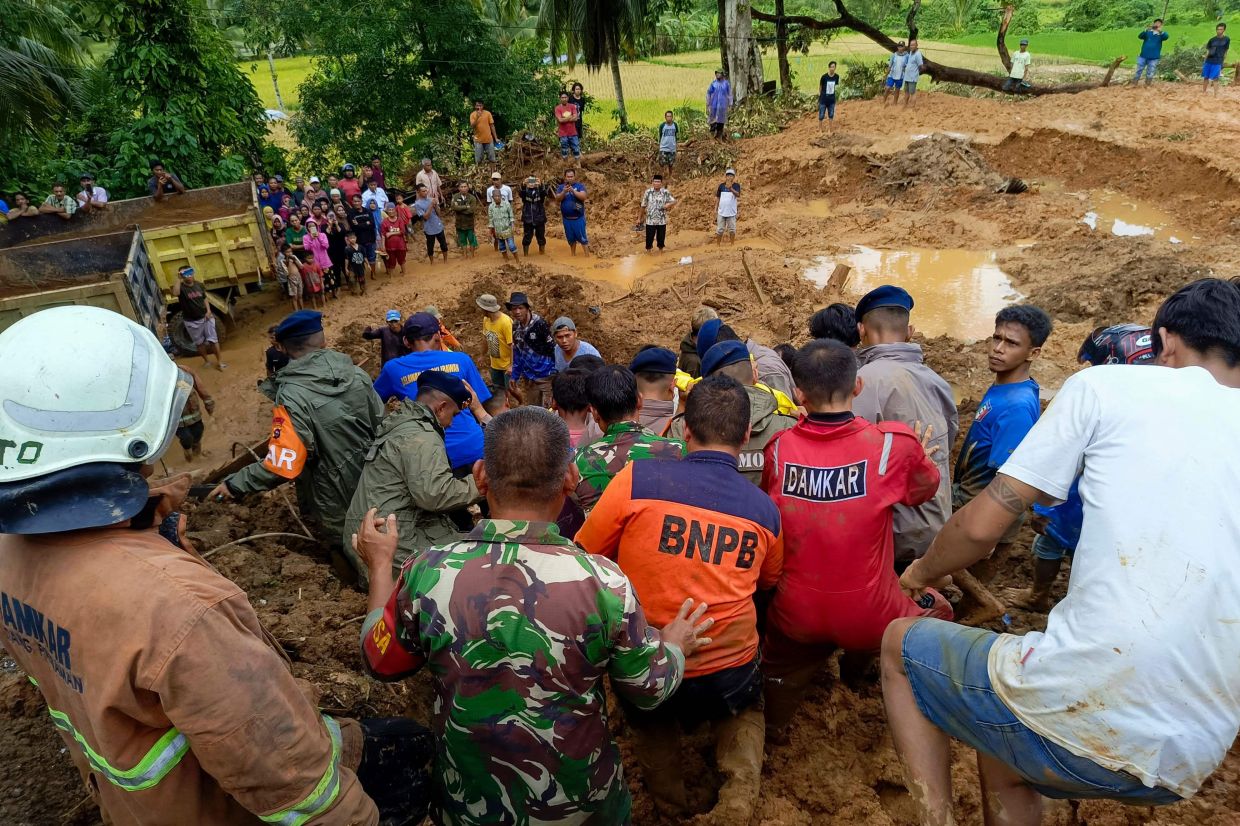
(624, 271)
(956, 292)
(1117, 213)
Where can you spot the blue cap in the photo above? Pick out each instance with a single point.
(723, 354)
(450, 386)
(300, 323)
(420, 325)
(884, 296)
(707, 333)
(654, 360)
(393, 315)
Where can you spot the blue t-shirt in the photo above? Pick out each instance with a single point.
(1151, 49)
(1064, 520)
(584, 348)
(399, 377)
(1006, 414)
(570, 207)
(275, 200)
(4, 207)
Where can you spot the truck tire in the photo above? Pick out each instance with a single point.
(180, 336)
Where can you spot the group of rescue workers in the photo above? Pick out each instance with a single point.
(705, 530)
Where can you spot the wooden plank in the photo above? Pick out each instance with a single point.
(753, 280)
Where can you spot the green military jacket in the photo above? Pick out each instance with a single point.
(765, 421)
(407, 473)
(600, 460)
(325, 416)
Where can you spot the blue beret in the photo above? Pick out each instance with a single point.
(723, 354)
(884, 296)
(449, 385)
(707, 333)
(300, 323)
(654, 360)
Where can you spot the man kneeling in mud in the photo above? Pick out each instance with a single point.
(1131, 692)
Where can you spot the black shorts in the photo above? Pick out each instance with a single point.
(190, 434)
(711, 697)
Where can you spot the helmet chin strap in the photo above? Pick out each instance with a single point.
(87, 496)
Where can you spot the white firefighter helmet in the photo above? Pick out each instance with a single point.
(84, 385)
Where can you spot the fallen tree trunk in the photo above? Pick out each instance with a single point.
(941, 73)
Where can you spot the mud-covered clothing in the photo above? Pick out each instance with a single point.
(599, 461)
(835, 479)
(533, 350)
(519, 627)
(689, 361)
(171, 702)
(407, 473)
(899, 387)
(765, 420)
(691, 528)
(326, 414)
(391, 343)
(1006, 415)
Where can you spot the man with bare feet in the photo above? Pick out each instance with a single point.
(1130, 693)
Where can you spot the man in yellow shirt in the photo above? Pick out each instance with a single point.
(497, 330)
(485, 137)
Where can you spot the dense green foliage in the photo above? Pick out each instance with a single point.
(38, 67)
(389, 80)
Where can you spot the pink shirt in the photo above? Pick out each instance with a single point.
(318, 245)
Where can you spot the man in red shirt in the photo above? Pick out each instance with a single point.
(566, 120)
(836, 480)
(694, 527)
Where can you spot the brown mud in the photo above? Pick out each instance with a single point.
(805, 197)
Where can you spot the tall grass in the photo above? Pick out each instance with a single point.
(1100, 47)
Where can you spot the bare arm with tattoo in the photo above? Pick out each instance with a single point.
(972, 532)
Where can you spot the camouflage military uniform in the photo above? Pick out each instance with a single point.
(600, 460)
(519, 627)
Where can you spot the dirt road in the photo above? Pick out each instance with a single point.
(1157, 163)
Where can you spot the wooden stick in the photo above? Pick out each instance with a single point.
(756, 287)
(990, 606)
(245, 539)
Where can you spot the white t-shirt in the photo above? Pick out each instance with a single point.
(1020, 64)
(99, 195)
(728, 200)
(505, 193)
(1139, 667)
(379, 198)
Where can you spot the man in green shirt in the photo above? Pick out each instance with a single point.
(463, 205)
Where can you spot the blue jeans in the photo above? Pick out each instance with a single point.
(570, 143)
(1047, 547)
(1146, 65)
(826, 109)
(947, 668)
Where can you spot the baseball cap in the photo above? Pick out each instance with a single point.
(279, 179)
(314, 179)
(563, 323)
(885, 296)
(730, 172)
(393, 315)
(723, 354)
(420, 325)
(495, 176)
(1024, 42)
(450, 386)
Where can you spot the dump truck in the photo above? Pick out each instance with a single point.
(219, 231)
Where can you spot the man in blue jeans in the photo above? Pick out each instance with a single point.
(1131, 693)
(1151, 52)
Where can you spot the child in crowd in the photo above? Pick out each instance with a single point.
(275, 356)
(312, 275)
(355, 264)
(296, 284)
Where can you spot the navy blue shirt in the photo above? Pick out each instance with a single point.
(1006, 414)
(399, 377)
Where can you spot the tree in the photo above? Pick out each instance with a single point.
(940, 72)
(600, 31)
(38, 64)
(390, 79)
(745, 71)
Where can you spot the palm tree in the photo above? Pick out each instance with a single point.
(597, 31)
(39, 56)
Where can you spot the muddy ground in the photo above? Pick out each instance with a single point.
(1166, 153)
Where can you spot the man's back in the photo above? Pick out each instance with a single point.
(399, 378)
(899, 387)
(692, 527)
(519, 627)
(1137, 669)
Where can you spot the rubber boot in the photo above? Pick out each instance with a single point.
(782, 696)
(658, 753)
(738, 755)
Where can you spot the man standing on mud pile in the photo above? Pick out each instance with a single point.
(1018, 75)
(897, 386)
(571, 196)
(839, 587)
(519, 627)
(656, 203)
(533, 352)
(690, 362)
(1008, 411)
(718, 102)
(407, 472)
(119, 623)
(731, 359)
(895, 72)
(614, 404)
(727, 195)
(1058, 527)
(197, 316)
(325, 416)
(692, 526)
(1152, 40)
(1130, 693)
(534, 197)
(913, 62)
(399, 380)
(655, 371)
(1216, 56)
